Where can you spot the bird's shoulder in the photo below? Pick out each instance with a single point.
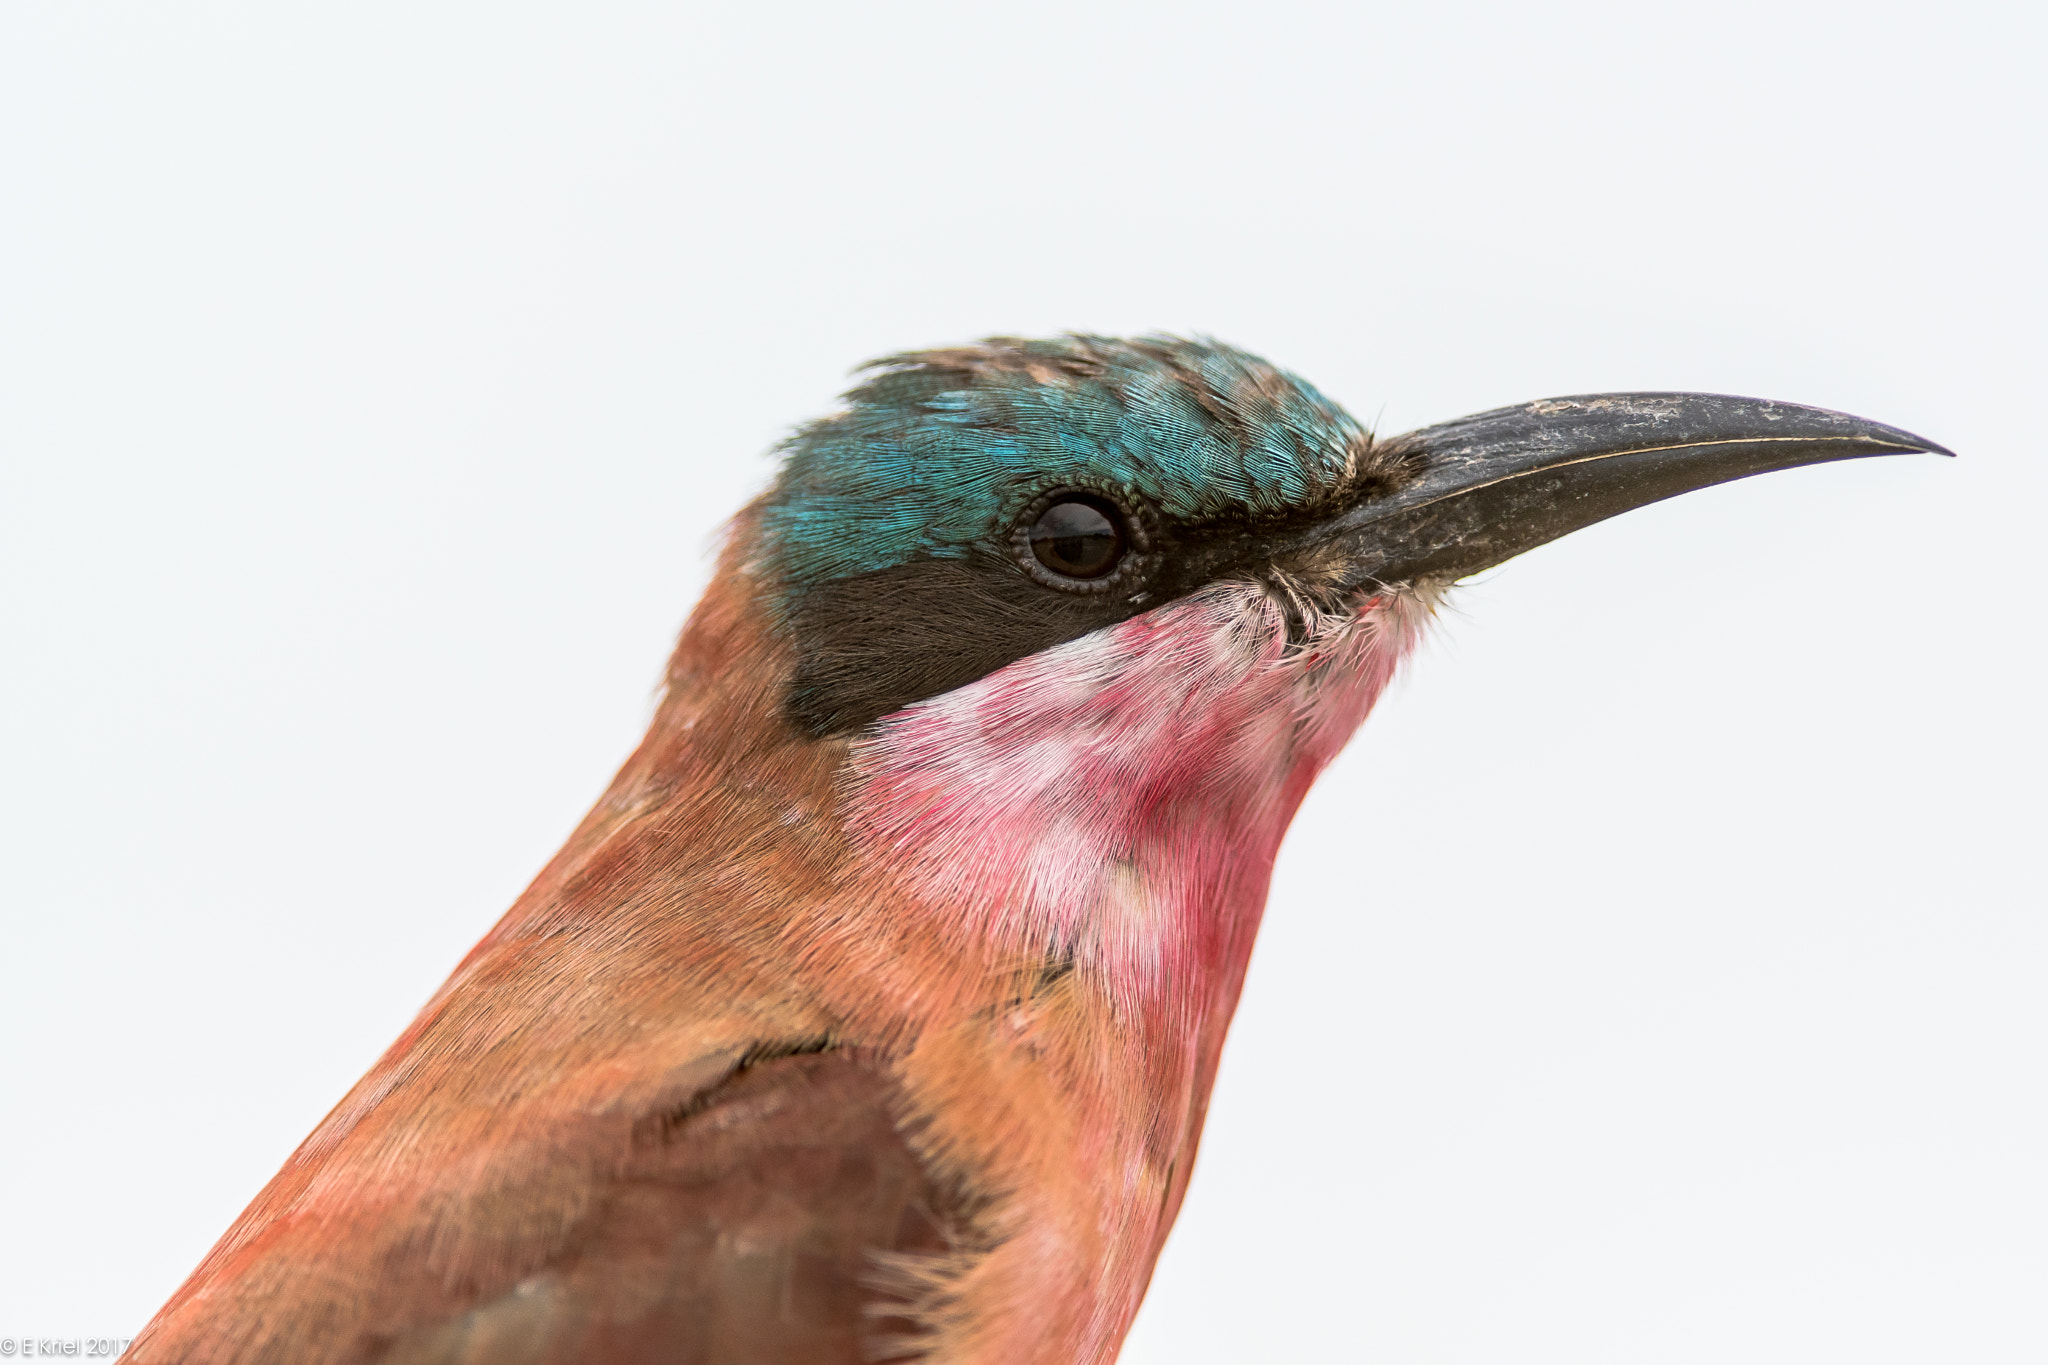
(779, 1215)
(758, 1202)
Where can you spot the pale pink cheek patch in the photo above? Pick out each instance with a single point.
(1121, 796)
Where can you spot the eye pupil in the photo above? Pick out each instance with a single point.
(1079, 537)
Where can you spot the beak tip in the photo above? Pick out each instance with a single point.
(1909, 444)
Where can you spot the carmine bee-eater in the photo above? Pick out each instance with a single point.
(872, 1013)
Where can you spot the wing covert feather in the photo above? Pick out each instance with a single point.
(751, 1225)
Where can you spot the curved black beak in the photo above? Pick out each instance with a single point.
(1494, 485)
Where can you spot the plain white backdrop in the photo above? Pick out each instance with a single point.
(1659, 977)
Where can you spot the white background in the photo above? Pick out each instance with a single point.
(1660, 977)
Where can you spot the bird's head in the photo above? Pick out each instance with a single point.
(974, 507)
(1086, 616)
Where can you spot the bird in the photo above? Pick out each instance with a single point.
(871, 1015)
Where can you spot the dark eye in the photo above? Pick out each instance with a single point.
(1078, 537)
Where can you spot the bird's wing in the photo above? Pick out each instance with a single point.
(764, 1218)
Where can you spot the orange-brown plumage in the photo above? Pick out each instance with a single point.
(708, 915)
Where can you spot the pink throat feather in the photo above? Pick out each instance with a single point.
(1118, 800)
